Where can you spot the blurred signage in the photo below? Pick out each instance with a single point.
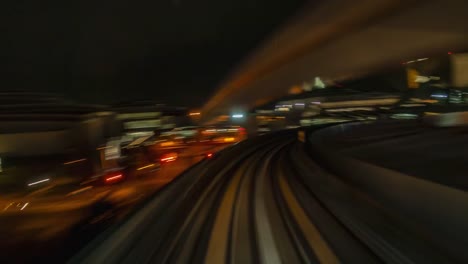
(459, 69)
(412, 76)
(138, 141)
(142, 124)
(143, 115)
(112, 150)
(301, 136)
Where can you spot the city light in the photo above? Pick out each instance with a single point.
(147, 166)
(194, 114)
(80, 190)
(114, 178)
(41, 181)
(24, 206)
(73, 161)
(237, 116)
(439, 95)
(282, 109)
(169, 157)
(167, 143)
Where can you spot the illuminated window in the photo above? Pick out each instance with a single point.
(138, 115)
(153, 123)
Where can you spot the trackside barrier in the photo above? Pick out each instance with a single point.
(439, 210)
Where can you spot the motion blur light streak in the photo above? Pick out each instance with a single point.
(41, 181)
(24, 206)
(102, 148)
(73, 161)
(167, 144)
(135, 176)
(114, 178)
(8, 206)
(80, 190)
(169, 158)
(147, 166)
(439, 95)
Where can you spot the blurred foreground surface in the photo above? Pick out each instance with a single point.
(328, 195)
(52, 221)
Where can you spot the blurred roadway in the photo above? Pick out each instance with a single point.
(266, 200)
(53, 222)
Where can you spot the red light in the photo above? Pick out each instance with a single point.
(209, 155)
(114, 178)
(241, 130)
(449, 53)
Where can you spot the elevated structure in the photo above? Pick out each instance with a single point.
(143, 118)
(339, 39)
(33, 124)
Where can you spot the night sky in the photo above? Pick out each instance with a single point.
(173, 51)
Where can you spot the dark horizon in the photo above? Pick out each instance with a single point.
(175, 52)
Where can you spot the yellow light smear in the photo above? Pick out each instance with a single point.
(145, 167)
(73, 161)
(313, 237)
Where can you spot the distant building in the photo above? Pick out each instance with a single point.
(143, 118)
(299, 109)
(33, 124)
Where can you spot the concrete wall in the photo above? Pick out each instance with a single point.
(34, 143)
(26, 138)
(19, 126)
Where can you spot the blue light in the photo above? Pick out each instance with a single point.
(439, 95)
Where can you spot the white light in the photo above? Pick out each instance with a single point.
(237, 116)
(422, 79)
(283, 109)
(34, 183)
(8, 206)
(73, 161)
(24, 206)
(300, 104)
(350, 109)
(439, 95)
